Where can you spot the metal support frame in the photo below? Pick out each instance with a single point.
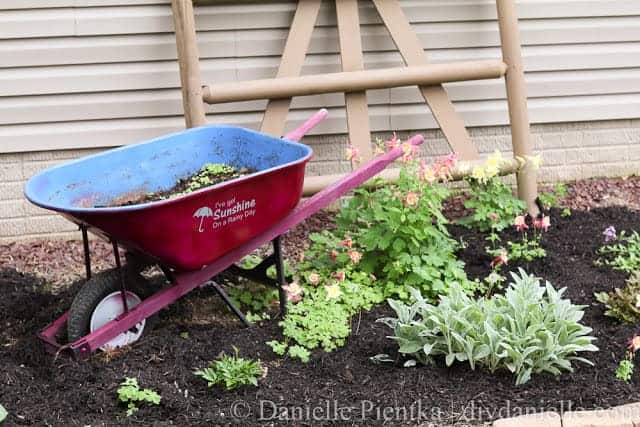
(288, 83)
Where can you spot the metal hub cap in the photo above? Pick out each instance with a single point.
(110, 308)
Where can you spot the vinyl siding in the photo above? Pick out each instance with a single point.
(89, 73)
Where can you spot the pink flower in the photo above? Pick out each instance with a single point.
(542, 223)
(408, 151)
(634, 343)
(352, 154)
(393, 142)
(294, 291)
(355, 256)
(425, 173)
(411, 199)
(520, 223)
(494, 217)
(314, 279)
(500, 259)
(339, 275)
(347, 242)
(333, 254)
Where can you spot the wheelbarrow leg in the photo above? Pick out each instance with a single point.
(230, 303)
(87, 255)
(123, 286)
(280, 275)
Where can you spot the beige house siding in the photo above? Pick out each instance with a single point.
(89, 74)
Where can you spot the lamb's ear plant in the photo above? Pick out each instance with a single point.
(232, 372)
(3, 414)
(132, 395)
(529, 330)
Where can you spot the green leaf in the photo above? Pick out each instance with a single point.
(3, 414)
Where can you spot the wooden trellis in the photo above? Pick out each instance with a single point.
(354, 80)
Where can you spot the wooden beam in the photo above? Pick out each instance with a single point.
(517, 96)
(295, 50)
(353, 60)
(413, 53)
(189, 62)
(353, 81)
(314, 184)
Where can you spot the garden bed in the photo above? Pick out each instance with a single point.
(39, 389)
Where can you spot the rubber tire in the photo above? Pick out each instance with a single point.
(95, 290)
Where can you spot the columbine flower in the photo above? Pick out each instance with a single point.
(314, 279)
(355, 256)
(425, 173)
(492, 165)
(634, 343)
(542, 223)
(339, 275)
(479, 174)
(494, 217)
(333, 254)
(610, 234)
(347, 242)
(373, 277)
(520, 223)
(500, 259)
(411, 199)
(294, 291)
(408, 151)
(352, 154)
(393, 142)
(333, 291)
(378, 151)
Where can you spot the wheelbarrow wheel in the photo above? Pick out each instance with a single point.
(100, 301)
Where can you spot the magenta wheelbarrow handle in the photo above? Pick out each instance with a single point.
(313, 121)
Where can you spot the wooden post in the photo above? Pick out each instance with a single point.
(353, 60)
(189, 61)
(517, 96)
(295, 50)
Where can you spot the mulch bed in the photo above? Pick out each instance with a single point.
(40, 390)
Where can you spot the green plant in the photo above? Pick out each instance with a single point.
(299, 352)
(528, 330)
(279, 348)
(402, 233)
(232, 372)
(623, 253)
(491, 200)
(623, 304)
(3, 414)
(566, 212)
(132, 395)
(551, 199)
(626, 367)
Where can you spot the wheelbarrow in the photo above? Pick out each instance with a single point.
(192, 238)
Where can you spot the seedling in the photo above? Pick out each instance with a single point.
(132, 395)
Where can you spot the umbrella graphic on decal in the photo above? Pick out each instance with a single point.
(203, 213)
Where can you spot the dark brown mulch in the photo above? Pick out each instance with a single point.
(40, 390)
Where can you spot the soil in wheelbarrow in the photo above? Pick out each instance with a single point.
(210, 174)
(339, 388)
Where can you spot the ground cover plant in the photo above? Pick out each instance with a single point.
(529, 330)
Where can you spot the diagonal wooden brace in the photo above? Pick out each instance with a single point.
(413, 53)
